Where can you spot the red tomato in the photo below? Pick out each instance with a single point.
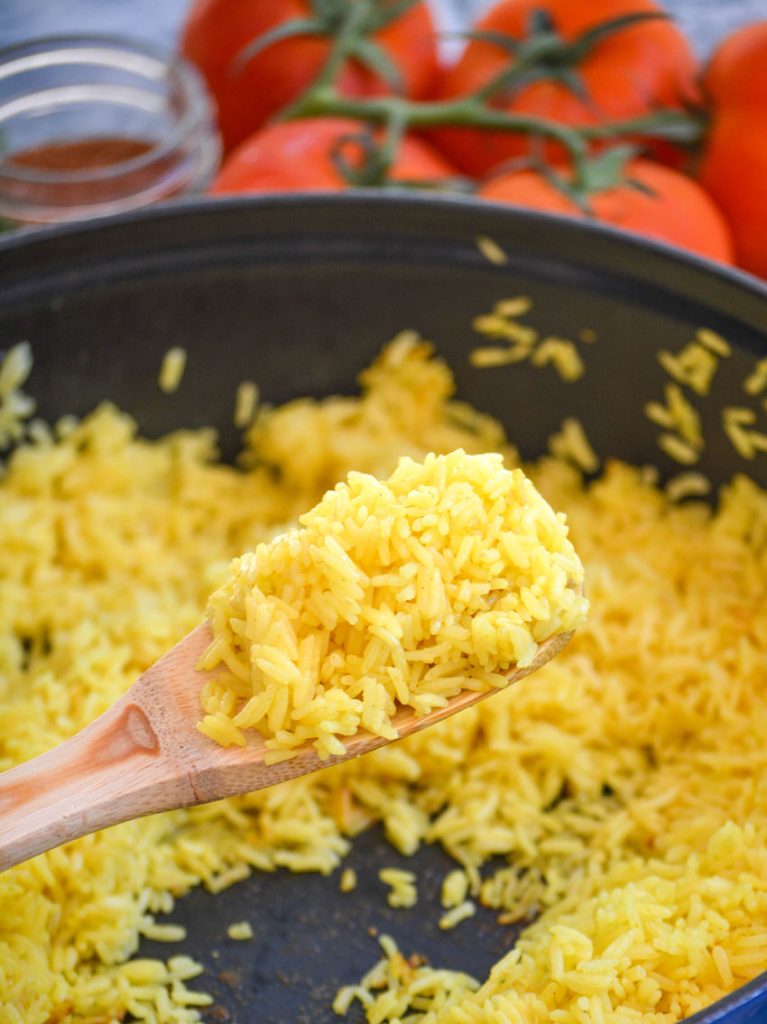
(734, 165)
(736, 74)
(218, 30)
(296, 156)
(635, 70)
(678, 211)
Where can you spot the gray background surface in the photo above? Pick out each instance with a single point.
(704, 21)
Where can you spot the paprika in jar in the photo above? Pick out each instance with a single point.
(94, 125)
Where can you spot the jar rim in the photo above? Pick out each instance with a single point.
(197, 105)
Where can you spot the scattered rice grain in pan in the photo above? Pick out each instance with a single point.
(163, 932)
(714, 342)
(15, 406)
(562, 355)
(524, 341)
(502, 325)
(694, 366)
(396, 987)
(678, 414)
(519, 305)
(456, 915)
(737, 421)
(756, 381)
(172, 369)
(491, 250)
(348, 880)
(571, 445)
(484, 356)
(688, 485)
(455, 887)
(403, 889)
(245, 404)
(240, 931)
(678, 449)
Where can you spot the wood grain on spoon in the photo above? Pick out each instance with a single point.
(145, 755)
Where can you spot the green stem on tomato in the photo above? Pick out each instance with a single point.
(341, 46)
(396, 127)
(376, 157)
(512, 77)
(327, 102)
(683, 127)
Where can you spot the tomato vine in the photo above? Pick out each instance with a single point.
(349, 25)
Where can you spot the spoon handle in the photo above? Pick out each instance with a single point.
(112, 770)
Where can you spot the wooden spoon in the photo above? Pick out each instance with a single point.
(145, 755)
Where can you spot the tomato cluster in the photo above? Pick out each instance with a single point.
(608, 70)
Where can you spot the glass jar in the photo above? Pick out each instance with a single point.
(94, 125)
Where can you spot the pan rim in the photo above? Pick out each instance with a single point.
(505, 215)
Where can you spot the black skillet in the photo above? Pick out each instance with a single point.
(299, 294)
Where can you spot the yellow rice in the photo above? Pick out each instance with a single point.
(524, 342)
(713, 342)
(396, 986)
(455, 886)
(172, 369)
(688, 485)
(622, 791)
(393, 593)
(240, 931)
(737, 421)
(164, 932)
(756, 382)
(15, 406)
(455, 915)
(679, 449)
(502, 323)
(348, 880)
(562, 355)
(403, 889)
(245, 403)
(695, 366)
(516, 306)
(571, 445)
(484, 356)
(679, 415)
(491, 250)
